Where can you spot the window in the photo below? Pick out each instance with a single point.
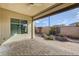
(18, 26)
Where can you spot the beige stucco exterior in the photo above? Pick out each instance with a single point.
(5, 16)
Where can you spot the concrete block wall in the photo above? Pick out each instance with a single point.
(70, 31)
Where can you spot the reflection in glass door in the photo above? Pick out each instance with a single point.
(18, 26)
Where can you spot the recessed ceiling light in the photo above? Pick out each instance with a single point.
(34, 4)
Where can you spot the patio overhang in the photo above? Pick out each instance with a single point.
(57, 8)
(38, 10)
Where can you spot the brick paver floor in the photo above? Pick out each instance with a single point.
(64, 46)
(38, 46)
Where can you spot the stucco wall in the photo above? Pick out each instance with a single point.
(70, 31)
(5, 16)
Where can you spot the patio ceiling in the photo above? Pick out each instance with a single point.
(36, 10)
(57, 8)
(30, 9)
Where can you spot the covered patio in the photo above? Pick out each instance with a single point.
(22, 40)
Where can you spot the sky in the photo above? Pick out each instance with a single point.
(66, 18)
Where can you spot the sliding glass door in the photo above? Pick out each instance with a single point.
(18, 26)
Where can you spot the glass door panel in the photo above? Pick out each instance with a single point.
(18, 26)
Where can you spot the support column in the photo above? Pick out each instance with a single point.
(32, 30)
